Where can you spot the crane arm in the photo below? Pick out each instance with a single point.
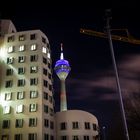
(115, 37)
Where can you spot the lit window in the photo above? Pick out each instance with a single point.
(21, 82)
(6, 124)
(33, 47)
(44, 50)
(33, 107)
(21, 37)
(21, 70)
(6, 109)
(10, 60)
(21, 59)
(10, 39)
(32, 122)
(19, 108)
(10, 49)
(18, 137)
(21, 48)
(20, 95)
(19, 123)
(8, 83)
(33, 69)
(48, 55)
(8, 96)
(32, 136)
(33, 94)
(9, 72)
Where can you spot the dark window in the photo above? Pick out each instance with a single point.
(18, 137)
(6, 124)
(45, 71)
(75, 125)
(32, 36)
(19, 123)
(32, 136)
(51, 137)
(63, 126)
(33, 58)
(8, 83)
(21, 70)
(50, 76)
(75, 138)
(45, 108)
(63, 137)
(33, 81)
(43, 40)
(51, 125)
(86, 137)
(94, 126)
(21, 82)
(45, 83)
(9, 72)
(46, 95)
(50, 87)
(87, 125)
(44, 60)
(32, 122)
(46, 122)
(5, 137)
(46, 137)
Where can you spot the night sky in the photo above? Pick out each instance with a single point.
(91, 84)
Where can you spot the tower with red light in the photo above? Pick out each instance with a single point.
(62, 70)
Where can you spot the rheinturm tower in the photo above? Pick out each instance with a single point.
(62, 70)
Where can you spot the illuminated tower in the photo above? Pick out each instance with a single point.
(62, 70)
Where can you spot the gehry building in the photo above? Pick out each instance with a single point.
(26, 91)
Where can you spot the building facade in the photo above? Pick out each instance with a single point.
(26, 97)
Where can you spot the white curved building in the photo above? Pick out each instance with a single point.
(76, 125)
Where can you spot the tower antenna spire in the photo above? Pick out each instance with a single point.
(61, 55)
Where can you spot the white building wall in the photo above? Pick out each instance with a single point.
(39, 130)
(82, 117)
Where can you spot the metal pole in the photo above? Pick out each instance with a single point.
(116, 73)
(104, 133)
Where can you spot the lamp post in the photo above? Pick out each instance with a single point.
(116, 73)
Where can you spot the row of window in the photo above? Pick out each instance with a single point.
(32, 108)
(76, 125)
(77, 137)
(31, 136)
(23, 37)
(22, 59)
(22, 70)
(33, 122)
(21, 95)
(22, 83)
(22, 48)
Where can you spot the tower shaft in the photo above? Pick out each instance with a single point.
(63, 98)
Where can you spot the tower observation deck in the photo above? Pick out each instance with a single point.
(62, 70)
